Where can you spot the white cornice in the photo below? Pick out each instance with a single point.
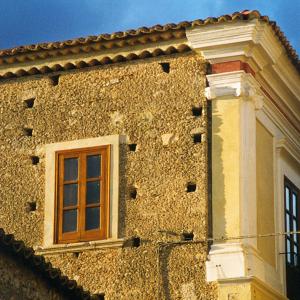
(256, 43)
(290, 147)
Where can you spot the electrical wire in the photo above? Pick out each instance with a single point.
(240, 237)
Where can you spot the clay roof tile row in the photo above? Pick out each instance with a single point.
(94, 62)
(142, 31)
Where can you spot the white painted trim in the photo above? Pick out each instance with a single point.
(248, 205)
(50, 149)
(285, 145)
(235, 260)
(237, 84)
(280, 127)
(253, 42)
(217, 41)
(285, 167)
(225, 261)
(78, 247)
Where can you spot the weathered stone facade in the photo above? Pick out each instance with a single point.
(153, 109)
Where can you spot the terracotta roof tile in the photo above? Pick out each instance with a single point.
(95, 62)
(37, 263)
(146, 31)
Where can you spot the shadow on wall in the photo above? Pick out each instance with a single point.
(163, 259)
(218, 220)
(122, 190)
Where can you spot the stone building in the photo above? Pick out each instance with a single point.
(158, 163)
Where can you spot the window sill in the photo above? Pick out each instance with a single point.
(78, 247)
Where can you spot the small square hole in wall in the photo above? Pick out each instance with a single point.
(191, 187)
(197, 111)
(31, 206)
(197, 138)
(76, 254)
(133, 193)
(132, 147)
(98, 297)
(54, 79)
(187, 236)
(165, 67)
(28, 131)
(136, 242)
(29, 103)
(35, 160)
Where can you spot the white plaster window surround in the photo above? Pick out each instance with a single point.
(288, 165)
(49, 211)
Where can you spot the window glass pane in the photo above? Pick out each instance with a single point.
(295, 255)
(70, 169)
(288, 250)
(295, 229)
(70, 194)
(93, 166)
(92, 192)
(92, 218)
(287, 198)
(294, 205)
(287, 220)
(70, 220)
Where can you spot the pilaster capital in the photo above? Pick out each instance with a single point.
(234, 84)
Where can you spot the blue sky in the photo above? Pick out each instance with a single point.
(24, 22)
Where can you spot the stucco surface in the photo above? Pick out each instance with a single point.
(144, 103)
(225, 166)
(265, 193)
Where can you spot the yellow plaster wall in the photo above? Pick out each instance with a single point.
(235, 291)
(265, 192)
(249, 289)
(225, 166)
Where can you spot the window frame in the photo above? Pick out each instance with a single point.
(81, 234)
(47, 153)
(293, 189)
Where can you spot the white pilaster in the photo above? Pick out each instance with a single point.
(255, 43)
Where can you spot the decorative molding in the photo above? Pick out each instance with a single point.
(225, 261)
(255, 43)
(236, 84)
(78, 247)
(290, 147)
(230, 261)
(277, 120)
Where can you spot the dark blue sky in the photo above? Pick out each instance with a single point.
(25, 22)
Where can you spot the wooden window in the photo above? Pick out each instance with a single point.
(82, 194)
(292, 242)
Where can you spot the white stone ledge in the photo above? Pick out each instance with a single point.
(231, 261)
(79, 247)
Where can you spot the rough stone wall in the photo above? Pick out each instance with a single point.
(154, 110)
(18, 282)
